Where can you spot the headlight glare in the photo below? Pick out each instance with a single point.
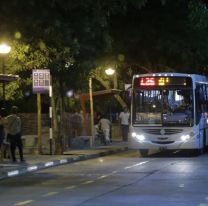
(185, 137)
(140, 137)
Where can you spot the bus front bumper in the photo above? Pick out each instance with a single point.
(172, 146)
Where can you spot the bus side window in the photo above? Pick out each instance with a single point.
(198, 104)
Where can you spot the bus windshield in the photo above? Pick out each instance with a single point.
(172, 107)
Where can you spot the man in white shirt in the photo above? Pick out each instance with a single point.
(124, 120)
(105, 126)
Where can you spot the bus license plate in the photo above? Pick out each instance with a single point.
(163, 148)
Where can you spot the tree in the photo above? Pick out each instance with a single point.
(160, 37)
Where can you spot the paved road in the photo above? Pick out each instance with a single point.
(121, 179)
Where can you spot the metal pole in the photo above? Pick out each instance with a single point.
(3, 85)
(39, 124)
(50, 122)
(91, 113)
(115, 82)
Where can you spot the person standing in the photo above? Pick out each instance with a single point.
(2, 133)
(13, 123)
(77, 124)
(124, 121)
(105, 126)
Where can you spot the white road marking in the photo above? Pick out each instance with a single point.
(50, 194)
(13, 173)
(135, 165)
(70, 187)
(31, 168)
(63, 161)
(47, 164)
(87, 182)
(24, 202)
(103, 176)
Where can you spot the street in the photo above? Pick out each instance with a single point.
(121, 179)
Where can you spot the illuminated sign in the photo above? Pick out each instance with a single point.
(162, 81)
(147, 81)
(41, 80)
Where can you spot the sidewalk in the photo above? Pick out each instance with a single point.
(37, 162)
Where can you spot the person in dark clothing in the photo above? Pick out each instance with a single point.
(1, 136)
(14, 134)
(3, 147)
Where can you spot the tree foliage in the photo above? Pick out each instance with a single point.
(161, 37)
(73, 37)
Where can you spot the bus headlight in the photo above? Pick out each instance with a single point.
(139, 137)
(185, 137)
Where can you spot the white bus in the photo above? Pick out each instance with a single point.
(169, 112)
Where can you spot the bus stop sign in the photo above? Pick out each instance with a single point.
(41, 81)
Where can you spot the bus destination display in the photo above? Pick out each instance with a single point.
(162, 81)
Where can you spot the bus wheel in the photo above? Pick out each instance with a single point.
(143, 152)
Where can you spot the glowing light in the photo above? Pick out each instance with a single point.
(70, 93)
(4, 49)
(147, 81)
(185, 137)
(17, 35)
(110, 71)
(162, 81)
(101, 160)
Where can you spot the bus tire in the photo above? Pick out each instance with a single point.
(144, 152)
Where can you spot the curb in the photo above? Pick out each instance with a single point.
(54, 163)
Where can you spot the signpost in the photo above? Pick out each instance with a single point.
(41, 81)
(42, 85)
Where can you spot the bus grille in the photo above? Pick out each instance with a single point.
(165, 131)
(165, 142)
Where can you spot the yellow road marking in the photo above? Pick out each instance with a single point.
(49, 194)
(24, 202)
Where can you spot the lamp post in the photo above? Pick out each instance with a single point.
(111, 72)
(4, 50)
(91, 113)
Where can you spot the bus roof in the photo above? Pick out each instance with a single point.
(195, 77)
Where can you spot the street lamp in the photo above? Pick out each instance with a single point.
(91, 113)
(4, 50)
(111, 72)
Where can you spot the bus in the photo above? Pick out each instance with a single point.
(169, 111)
